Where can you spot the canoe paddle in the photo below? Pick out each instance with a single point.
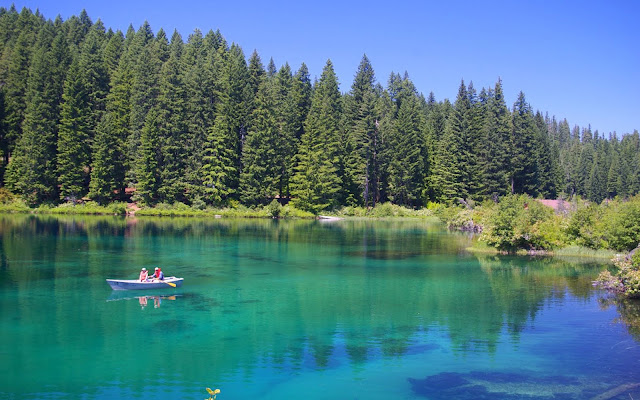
(169, 283)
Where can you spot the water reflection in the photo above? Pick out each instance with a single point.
(143, 300)
(288, 297)
(628, 311)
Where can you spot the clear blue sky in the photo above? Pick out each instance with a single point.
(578, 60)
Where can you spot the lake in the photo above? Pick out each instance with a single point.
(351, 309)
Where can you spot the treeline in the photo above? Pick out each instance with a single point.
(89, 112)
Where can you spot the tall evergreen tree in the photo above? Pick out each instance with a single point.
(362, 165)
(293, 99)
(73, 139)
(475, 146)
(316, 184)
(202, 60)
(15, 88)
(406, 168)
(110, 156)
(172, 106)
(227, 135)
(32, 171)
(261, 172)
(547, 158)
(149, 162)
(498, 145)
(448, 163)
(146, 55)
(524, 167)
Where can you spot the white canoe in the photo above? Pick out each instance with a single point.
(135, 284)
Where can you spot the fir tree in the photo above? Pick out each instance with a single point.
(261, 173)
(362, 169)
(172, 137)
(523, 175)
(148, 163)
(201, 61)
(498, 145)
(32, 171)
(449, 169)
(227, 135)
(406, 168)
(316, 184)
(73, 139)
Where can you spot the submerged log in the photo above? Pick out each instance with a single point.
(609, 394)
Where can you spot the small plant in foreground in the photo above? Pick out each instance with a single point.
(212, 394)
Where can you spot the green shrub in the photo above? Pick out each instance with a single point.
(626, 280)
(6, 197)
(520, 222)
(88, 208)
(290, 211)
(384, 210)
(583, 226)
(274, 209)
(621, 224)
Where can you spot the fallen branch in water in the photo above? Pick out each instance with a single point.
(609, 394)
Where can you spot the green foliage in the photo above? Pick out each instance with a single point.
(89, 208)
(520, 222)
(384, 210)
(274, 209)
(86, 111)
(316, 184)
(626, 280)
(6, 196)
(584, 225)
(621, 224)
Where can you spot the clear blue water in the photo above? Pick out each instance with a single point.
(300, 309)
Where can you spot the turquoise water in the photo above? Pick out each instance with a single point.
(299, 309)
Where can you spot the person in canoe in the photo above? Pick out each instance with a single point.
(158, 274)
(144, 275)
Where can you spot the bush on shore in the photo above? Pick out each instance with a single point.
(625, 281)
(520, 222)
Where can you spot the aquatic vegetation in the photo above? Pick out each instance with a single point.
(212, 394)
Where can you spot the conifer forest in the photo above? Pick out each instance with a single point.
(91, 113)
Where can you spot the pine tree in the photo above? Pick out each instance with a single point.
(523, 175)
(406, 168)
(76, 28)
(107, 153)
(221, 167)
(15, 91)
(316, 184)
(113, 50)
(201, 61)
(110, 161)
(73, 138)
(293, 96)
(475, 146)
(146, 56)
(362, 147)
(172, 106)
(32, 171)
(261, 173)
(437, 114)
(148, 163)
(615, 182)
(498, 145)
(547, 168)
(449, 168)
